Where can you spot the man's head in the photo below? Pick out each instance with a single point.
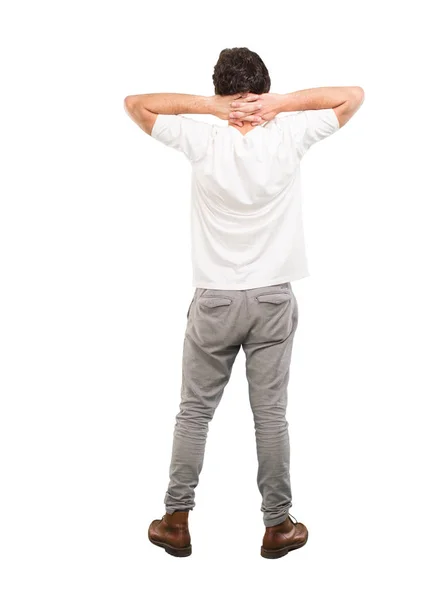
(240, 70)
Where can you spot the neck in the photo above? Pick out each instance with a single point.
(244, 128)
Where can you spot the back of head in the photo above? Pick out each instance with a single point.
(240, 70)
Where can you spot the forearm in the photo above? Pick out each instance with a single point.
(173, 104)
(316, 98)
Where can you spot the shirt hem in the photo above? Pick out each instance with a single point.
(335, 119)
(249, 286)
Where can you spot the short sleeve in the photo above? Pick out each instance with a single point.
(310, 126)
(184, 134)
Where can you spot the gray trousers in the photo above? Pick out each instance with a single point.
(263, 321)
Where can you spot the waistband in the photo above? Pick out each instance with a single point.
(287, 286)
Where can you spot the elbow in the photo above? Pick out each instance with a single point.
(127, 103)
(357, 94)
(130, 104)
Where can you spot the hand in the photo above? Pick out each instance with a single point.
(265, 106)
(221, 106)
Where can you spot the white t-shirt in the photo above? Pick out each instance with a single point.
(246, 213)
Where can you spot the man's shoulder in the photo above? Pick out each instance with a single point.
(284, 118)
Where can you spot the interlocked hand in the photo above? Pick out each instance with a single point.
(256, 108)
(222, 107)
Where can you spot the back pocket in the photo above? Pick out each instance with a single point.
(214, 301)
(274, 297)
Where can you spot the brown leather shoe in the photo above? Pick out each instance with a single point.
(281, 539)
(172, 533)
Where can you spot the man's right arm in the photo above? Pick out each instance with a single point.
(344, 100)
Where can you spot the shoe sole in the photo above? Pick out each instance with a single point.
(181, 552)
(280, 552)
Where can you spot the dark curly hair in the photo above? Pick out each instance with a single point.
(240, 70)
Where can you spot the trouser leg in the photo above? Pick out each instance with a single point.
(268, 360)
(207, 362)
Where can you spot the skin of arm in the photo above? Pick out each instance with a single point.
(144, 108)
(344, 100)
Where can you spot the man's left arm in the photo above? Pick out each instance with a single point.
(144, 108)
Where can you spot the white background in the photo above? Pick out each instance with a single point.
(96, 281)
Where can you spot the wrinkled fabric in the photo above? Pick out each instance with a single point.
(246, 198)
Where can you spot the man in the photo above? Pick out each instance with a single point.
(247, 248)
